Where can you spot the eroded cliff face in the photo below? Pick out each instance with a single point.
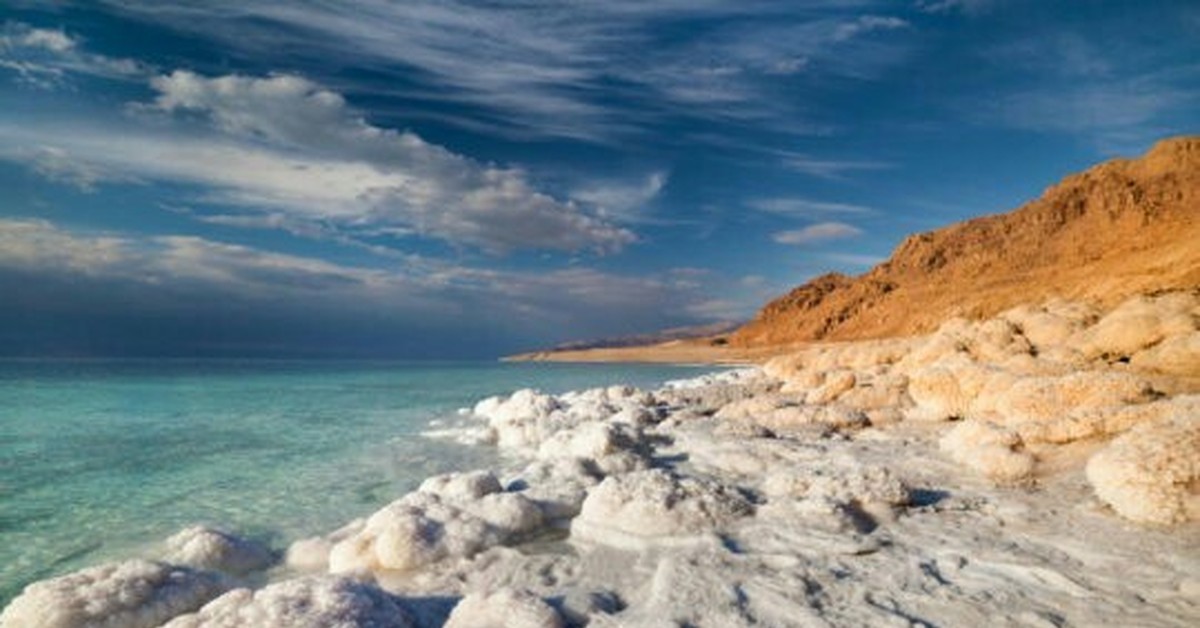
(1124, 227)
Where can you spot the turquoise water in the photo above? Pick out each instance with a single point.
(102, 459)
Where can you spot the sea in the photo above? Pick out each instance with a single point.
(104, 459)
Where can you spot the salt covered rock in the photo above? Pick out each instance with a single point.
(1178, 355)
(467, 486)
(949, 388)
(312, 554)
(1032, 399)
(423, 528)
(782, 412)
(1152, 473)
(989, 449)
(131, 594)
(655, 506)
(207, 548)
(504, 608)
(1139, 323)
(310, 602)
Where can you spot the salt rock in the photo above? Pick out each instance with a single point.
(1032, 399)
(312, 554)
(1152, 473)
(1105, 421)
(1137, 324)
(523, 404)
(131, 594)
(779, 412)
(206, 548)
(655, 506)
(879, 392)
(557, 486)
(504, 608)
(989, 449)
(422, 528)
(848, 483)
(835, 384)
(310, 602)
(1178, 355)
(593, 440)
(466, 486)
(950, 388)
(1051, 324)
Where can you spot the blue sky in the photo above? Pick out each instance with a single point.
(464, 179)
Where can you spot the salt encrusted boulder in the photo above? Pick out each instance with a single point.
(1152, 473)
(131, 594)
(312, 554)
(990, 449)
(557, 486)
(1051, 324)
(655, 506)
(1178, 355)
(504, 608)
(1032, 399)
(1139, 323)
(1105, 421)
(207, 548)
(844, 483)
(782, 412)
(836, 383)
(310, 602)
(466, 486)
(951, 388)
(423, 528)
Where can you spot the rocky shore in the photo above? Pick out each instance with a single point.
(1039, 468)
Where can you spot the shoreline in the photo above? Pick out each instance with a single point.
(978, 475)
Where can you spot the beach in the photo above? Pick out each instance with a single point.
(842, 486)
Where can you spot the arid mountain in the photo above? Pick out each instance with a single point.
(1124, 227)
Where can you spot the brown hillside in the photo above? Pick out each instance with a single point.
(1124, 227)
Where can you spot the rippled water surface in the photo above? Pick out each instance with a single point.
(100, 459)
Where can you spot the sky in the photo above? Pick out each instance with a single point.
(463, 179)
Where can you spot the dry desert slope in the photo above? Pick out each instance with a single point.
(1124, 227)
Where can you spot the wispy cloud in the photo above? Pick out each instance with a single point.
(819, 232)
(623, 200)
(551, 69)
(804, 207)
(46, 57)
(286, 145)
(829, 169)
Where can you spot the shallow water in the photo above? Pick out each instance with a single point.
(99, 459)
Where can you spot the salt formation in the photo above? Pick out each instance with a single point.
(505, 608)
(454, 516)
(643, 507)
(826, 488)
(132, 594)
(206, 548)
(1152, 473)
(311, 602)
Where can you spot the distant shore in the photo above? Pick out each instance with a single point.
(692, 351)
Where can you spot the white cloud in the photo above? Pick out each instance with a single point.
(817, 233)
(623, 199)
(803, 207)
(969, 7)
(44, 57)
(288, 146)
(830, 169)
